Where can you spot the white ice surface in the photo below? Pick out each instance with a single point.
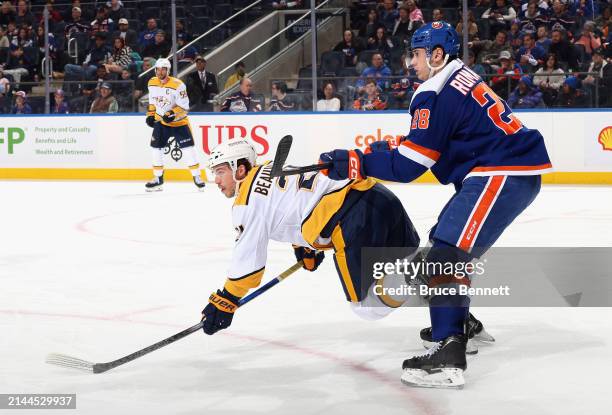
(98, 270)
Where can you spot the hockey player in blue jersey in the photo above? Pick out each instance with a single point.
(466, 135)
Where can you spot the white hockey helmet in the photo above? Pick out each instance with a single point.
(162, 63)
(230, 152)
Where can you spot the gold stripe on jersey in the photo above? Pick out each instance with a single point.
(172, 83)
(241, 286)
(340, 256)
(328, 206)
(244, 191)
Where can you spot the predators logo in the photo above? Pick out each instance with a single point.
(605, 138)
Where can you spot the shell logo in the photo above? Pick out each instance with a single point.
(437, 25)
(605, 138)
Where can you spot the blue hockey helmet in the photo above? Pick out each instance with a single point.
(435, 34)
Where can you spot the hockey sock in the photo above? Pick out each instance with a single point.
(190, 158)
(157, 155)
(448, 314)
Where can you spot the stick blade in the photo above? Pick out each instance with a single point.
(282, 152)
(69, 361)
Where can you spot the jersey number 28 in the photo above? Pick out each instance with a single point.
(495, 109)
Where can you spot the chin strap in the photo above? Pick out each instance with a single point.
(434, 69)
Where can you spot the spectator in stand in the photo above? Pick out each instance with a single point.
(562, 17)
(142, 81)
(54, 52)
(508, 75)
(102, 23)
(564, 50)
(415, 14)
(498, 17)
(571, 95)
(476, 67)
(59, 104)
(181, 31)
(186, 56)
(488, 50)
(525, 95)
(147, 37)
(588, 39)
(7, 13)
(350, 47)
(96, 57)
(388, 14)
(378, 71)
(403, 24)
(105, 102)
(603, 21)
(549, 79)
(329, 102)
(21, 63)
(11, 31)
(237, 76)
(381, 43)
(4, 40)
(401, 90)
(76, 24)
(5, 89)
(243, 100)
(129, 36)
(54, 16)
(121, 57)
(541, 5)
(371, 99)
(21, 106)
(160, 48)
(596, 84)
(280, 101)
(530, 56)
(437, 15)
(532, 16)
(368, 29)
(24, 17)
(124, 91)
(201, 86)
(543, 39)
(473, 27)
(116, 11)
(87, 14)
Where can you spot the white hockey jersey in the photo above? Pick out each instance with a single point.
(292, 209)
(171, 96)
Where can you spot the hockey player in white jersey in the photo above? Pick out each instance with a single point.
(311, 212)
(167, 115)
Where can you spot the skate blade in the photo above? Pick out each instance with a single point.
(449, 378)
(202, 189)
(154, 189)
(483, 336)
(471, 348)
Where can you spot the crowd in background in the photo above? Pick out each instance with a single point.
(533, 53)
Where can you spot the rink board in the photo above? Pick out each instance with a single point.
(115, 147)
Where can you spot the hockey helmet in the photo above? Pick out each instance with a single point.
(436, 34)
(230, 152)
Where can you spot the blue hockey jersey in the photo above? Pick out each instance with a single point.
(460, 128)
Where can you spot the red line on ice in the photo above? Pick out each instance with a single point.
(421, 404)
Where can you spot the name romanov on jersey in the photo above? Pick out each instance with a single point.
(264, 181)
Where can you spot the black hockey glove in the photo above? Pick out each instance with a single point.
(310, 257)
(168, 117)
(151, 121)
(218, 314)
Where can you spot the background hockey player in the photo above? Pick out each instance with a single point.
(311, 212)
(167, 115)
(467, 136)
